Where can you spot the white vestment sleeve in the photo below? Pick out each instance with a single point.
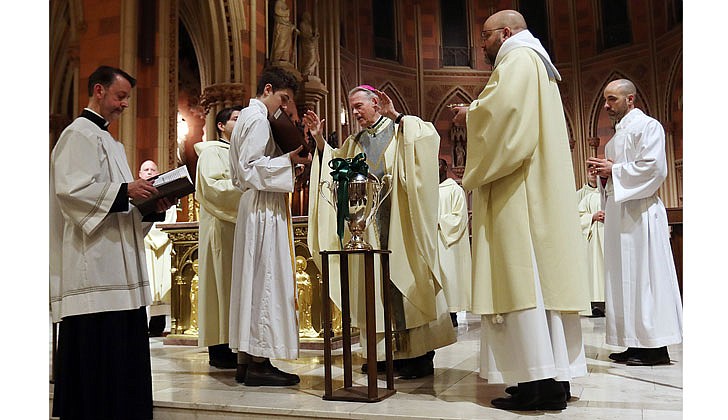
(255, 169)
(82, 198)
(642, 176)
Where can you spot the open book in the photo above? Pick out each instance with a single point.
(172, 184)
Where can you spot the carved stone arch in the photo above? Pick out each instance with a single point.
(674, 78)
(215, 29)
(672, 193)
(570, 130)
(456, 95)
(399, 102)
(346, 86)
(67, 18)
(453, 139)
(207, 28)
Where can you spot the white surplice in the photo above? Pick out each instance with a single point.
(263, 319)
(643, 305)
(454, 246)
(96, 257)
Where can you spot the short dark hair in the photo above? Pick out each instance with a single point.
(224, 115)
(278, 78)
(105, 76)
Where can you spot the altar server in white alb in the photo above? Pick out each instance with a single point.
(218, 199)
(98, 277)
(529, 260)
(592, 227)
(263, 323)
(454, 245)
(158, 248)
(644, 310)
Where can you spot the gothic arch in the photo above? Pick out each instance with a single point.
(215, 27)
(672, 81)
(67, 16)
(346, 86)
(456, 95)
(399, 102)
(673, 195)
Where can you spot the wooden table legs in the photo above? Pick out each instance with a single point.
(349, 392)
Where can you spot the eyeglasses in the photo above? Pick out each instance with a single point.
(484, 34)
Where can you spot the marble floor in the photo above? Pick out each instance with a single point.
(186, 387)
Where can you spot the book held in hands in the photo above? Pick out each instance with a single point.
(172, 184)
(285, 133)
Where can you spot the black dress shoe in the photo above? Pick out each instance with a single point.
(224, 363)
(597, 312)
(242, 369)
(623, 356)
(417, 367)
(222, 357)
(454, 319)
(156, 325)
(265, 374)
(292, 376)
(545, 394)
(381, 367)
(513, 390)
(650, 357)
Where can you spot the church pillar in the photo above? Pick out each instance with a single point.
(329, 11)
(593, 145)
(218, 96)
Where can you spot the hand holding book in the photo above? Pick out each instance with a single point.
(170, 185)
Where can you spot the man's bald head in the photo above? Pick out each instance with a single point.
(619, 97)
(148, 169)
(507, 19)
(623, 86)
(497, 29)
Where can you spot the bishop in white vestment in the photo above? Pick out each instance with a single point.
(406, 148)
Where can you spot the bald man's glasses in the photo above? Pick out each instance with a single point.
(485, 33)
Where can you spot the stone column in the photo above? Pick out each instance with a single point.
(218, 96)
(593, 145)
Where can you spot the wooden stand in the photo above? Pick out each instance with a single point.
(369, 393)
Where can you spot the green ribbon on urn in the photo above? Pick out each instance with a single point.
(343, 171)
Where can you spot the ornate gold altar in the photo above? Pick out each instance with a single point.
(308, 284)
(184, 237)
